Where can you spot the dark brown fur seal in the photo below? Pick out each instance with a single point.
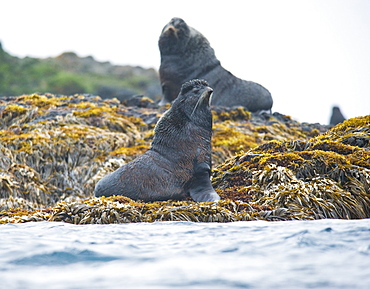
(186, 54)
(178, 164)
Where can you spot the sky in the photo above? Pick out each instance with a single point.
(310, 54)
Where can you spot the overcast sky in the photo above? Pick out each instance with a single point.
(310, 54)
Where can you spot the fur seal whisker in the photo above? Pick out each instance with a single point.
(205, 96)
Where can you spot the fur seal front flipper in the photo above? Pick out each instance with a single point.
(200, 188)
(178, 163)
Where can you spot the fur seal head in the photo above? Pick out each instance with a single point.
(178, 164)
(174, 36)
(186, 54)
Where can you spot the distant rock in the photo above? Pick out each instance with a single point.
(55, 74)
(121, 94)
(336, 116)
(70, 61)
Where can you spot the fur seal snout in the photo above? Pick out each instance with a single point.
(178, 164)
(186, 54)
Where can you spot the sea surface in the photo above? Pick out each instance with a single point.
(258, 254)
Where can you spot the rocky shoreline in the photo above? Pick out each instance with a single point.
(54, 148)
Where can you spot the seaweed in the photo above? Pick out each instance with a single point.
(54, 148)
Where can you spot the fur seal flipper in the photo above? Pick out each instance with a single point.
(186, 54)
(200, 189)
(178, 164)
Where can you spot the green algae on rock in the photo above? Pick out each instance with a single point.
(53, 150)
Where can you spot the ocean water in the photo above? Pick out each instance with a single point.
(293, 254)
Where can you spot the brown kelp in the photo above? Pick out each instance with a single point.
(54, 148)
(324, 177)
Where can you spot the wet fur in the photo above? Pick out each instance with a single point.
(178, 164)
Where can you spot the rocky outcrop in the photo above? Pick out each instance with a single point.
(53, 150)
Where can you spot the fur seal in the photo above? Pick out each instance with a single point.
(186, 54)
(178, 163)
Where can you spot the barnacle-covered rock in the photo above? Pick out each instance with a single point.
(54, 148)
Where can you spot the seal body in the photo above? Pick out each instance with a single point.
(186, 54)
(178, 164)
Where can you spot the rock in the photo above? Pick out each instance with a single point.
(336, 116)
(53, 150)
